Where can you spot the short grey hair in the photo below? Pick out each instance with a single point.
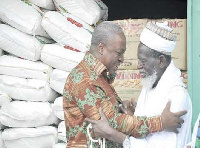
(104, 31)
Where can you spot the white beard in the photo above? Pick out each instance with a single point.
(149, 81)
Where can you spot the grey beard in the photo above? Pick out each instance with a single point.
(149, 81)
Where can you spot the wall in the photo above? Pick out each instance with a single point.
(193, 40)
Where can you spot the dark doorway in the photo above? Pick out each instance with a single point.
(152, 9)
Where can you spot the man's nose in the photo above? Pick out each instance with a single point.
(139, 66)
(121, 58)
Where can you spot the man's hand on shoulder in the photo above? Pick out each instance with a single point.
(102, 129)
(171, 121)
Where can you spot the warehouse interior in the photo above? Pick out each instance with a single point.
(39, 52)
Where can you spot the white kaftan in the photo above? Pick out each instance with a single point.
(152, 102)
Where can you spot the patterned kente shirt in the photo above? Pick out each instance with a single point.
(86, 90)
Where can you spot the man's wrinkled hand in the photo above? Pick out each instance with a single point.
(171, 121)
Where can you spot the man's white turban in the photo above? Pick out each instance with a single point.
(158, 36)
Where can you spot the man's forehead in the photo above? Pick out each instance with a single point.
(144, 52)
(117, 38)
(143, 48)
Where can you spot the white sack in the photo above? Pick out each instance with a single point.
(24, 16)
(1, 52)
(62, 132)
(47, 4)
(17, 67)
(44, 40)
(91, 11)
(19, 43)
(57, 107)
(68, 30)
(27, 89)
(1, 140)
(58, 79)
(60, 145)
(2, 126)
(4, 99)
(60, 58)
(41, 137)
(27, 114)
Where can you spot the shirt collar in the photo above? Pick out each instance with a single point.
(98, 67)
(94, 63)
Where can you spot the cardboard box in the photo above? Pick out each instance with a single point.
(128, 85)
(132, 29)
(179, 55)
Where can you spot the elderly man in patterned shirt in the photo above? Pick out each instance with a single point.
(88, 88)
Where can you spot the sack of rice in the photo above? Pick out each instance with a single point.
(19, 43)
(1, 140)
(68, 30)
(62, 132)
(90, 11)
(2, 127)
(22, 68)
(40, 137)
(60, 145)
(27, 89)
(27, 114)
(59, 57)
(44, 40)
(4, 99)
(58, 79)
(22, 15)
(1, 52)
(57, 107)
(47, 4)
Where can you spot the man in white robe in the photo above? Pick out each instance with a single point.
(152, 102)
(162, 82)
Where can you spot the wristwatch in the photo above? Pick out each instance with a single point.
(127, 142)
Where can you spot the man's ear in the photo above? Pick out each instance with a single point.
(101, 48)
(162, 61)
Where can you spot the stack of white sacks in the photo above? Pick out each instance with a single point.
(44, 40)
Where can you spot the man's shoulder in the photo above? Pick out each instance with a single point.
(179, 89)
(78, 79)
(82, 75)
(179, 95)
(80, 69)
